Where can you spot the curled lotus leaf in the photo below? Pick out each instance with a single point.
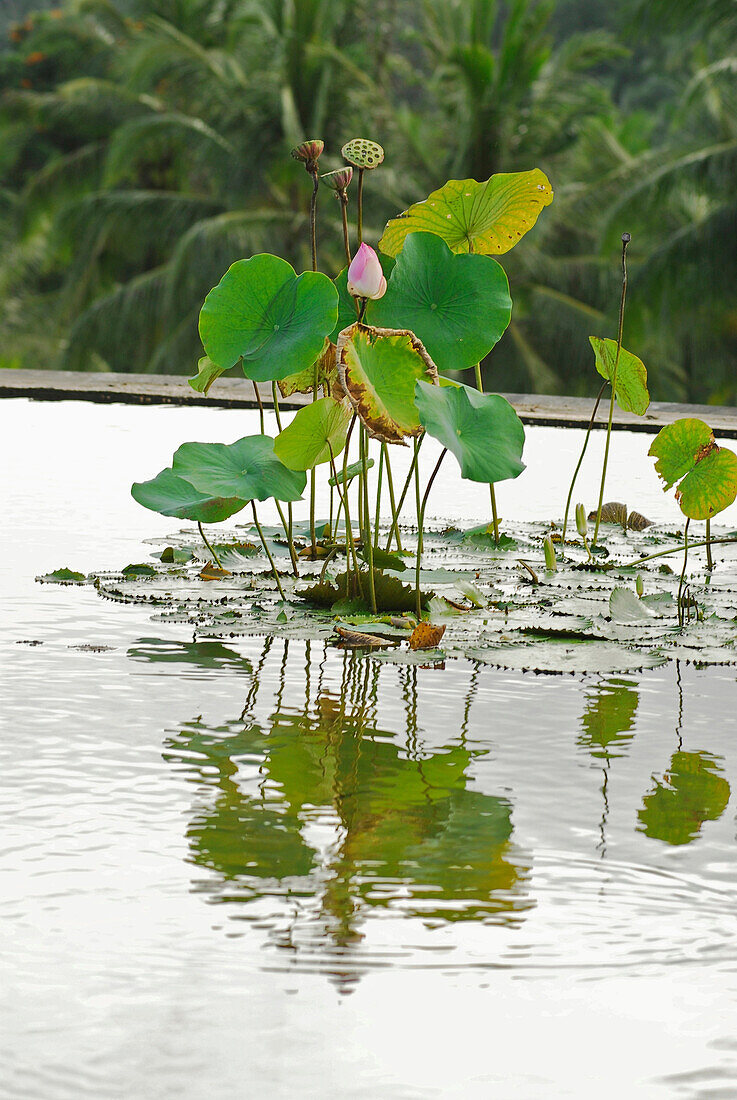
(631, 390)
(263, 313)
(482, 430)
(317, 433)
(686, 453)
(171, 495)
(207, 373)
(326, 369)
(247, 469)
(378, 371)
(458, 305)
(488, 217)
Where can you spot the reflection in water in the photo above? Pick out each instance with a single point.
(320, 807)
(690, 792)
(607, 726)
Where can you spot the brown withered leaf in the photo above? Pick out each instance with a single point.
(327, 376)
(637, 522)
(355, 639)
(426, 636)
(612, 512)
(212, 572)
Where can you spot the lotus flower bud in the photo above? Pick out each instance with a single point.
(309, 152)
(550, 560)
(582, 524)
(365, 277)
(639, 585)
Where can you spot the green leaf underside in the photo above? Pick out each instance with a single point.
(326, 370)
(247, 469)
(458, 305)
(316, 429)
(685, 452)
(171, 495)
(266, 314)
(488, 217)
(631, 391)
(626, 607)
(482, 430)
(378, 371)
(207, 373)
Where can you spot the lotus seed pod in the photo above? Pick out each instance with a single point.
(309, 152)
(551, 563)
(582, 525)
(362, 153)
(338, 180)
(639, 585)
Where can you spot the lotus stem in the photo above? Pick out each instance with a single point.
(272, 563)
(683, 574)
(492, 492)
(290, 514)
(421, 505)
(285, 525)
(378, 496)
(407, 483)
(260, 404)
(209, 547)
(709, 559)
(346, 238)
(313, 217)
(581, 457)
(390, 482)
(359, 226)
(366, 535)
(673, 550)
(625, 241)
(350, 544)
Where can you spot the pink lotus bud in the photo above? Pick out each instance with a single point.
(365, 277)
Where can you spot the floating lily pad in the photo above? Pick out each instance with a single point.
(63, 576)
(317, 432)
(171, 495)
(631, 391)
(487, 217)
(565, 656)
(458, 305)
(247, 469)
(482, 430)
(423, 657)
(687, 453)
(378, 371)
(262, 312)
(626, 607)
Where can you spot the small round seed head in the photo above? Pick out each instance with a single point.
(309, 152)
(626, 238)
(362, 153)
(339, 179)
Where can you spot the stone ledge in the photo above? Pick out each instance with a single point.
(237, 393)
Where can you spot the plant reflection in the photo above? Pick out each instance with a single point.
(607, 725)
(322, 807)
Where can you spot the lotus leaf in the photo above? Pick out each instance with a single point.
(266, 315)
(707, 474)
(171, 495)
(631, 391)
(317, 431)
(247, 469)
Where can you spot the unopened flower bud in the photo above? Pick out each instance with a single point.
(639, 586)
(338, 180)
(582, 524)
(365, 277)
(309, 152)
(551, 563)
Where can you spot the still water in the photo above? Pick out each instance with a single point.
(265, 868)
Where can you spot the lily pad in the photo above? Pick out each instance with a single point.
(378, 371)
(487, 217)
(631, 391)
(63, 576)
(317, 431)
(482, 430)
(458, 305)
(626, 607)
(707, 474)
(565, 656)
(171, 495)
(247, 469)
(262, 312)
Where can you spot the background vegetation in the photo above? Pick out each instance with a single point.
(144, 146)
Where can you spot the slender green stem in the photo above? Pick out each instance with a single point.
(378, 496)
(492, 491)
(290, 513)
(267, 551)
(350, 543)
(313, 218)
(346, 239)
(209, 547)
(709, 559)
(407, 483)
(580, 459)
(625, 242)
(360, 206)
(390, 482)
(421, 522)
(275, 397)
(285, 525)
(665, 553)
(260, 404)
(683, 574)
(366, 533)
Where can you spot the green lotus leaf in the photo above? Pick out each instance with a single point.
(487, 217)
(378, 371)
(207, 372)
(325, 368)
(458, 305)
(686, 452)
(631, 391)
(317, 430)
(347, 303)
(171, 495)
(266, 315)
(482, 430)
(247, 469)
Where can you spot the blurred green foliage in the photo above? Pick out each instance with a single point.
(144, 147)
